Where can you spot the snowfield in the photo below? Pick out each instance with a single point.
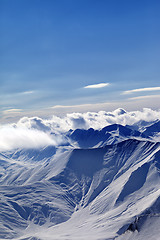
(95, 184)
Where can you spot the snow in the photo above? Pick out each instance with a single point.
(97, 184)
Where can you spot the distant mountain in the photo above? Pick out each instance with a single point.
(141, 125)
(108, 135)
(153, 129)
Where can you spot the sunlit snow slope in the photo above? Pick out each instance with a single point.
(99, 184)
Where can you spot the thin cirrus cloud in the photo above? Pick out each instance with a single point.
(27, 92)
(145, 97)
(12, 110)
(142, 90)
(99, 85)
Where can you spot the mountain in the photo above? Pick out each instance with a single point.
(153, 129)
(141, 125)
(108, 135)
(105, 192)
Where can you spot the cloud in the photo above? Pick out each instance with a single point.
(13, 138)
(96, 120)
(145, 97)
(36, 132)
(62, 110)
(79, 123)
(142, 90)
(12, 110)
(27, 92)
(99, 85)
(33, 123)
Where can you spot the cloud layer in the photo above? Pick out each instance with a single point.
(36, 132)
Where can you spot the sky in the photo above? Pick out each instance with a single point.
(60, 56)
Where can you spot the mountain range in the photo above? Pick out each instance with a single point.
(97, 184)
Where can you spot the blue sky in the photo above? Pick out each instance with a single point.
(50, 50)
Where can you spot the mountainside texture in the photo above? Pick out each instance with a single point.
(105, 188)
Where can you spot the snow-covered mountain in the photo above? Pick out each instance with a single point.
(108, 135)
(153, 129)
(97, 184)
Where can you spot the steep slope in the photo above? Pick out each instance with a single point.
(141, 125)
(26, 196)
(152, 129)
(115, 208)
(78, 194)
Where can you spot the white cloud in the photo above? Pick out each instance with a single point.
(36, 132)
(27, 92)
(13, 138)
(142, 90)
(33, 123)
(96, 120)
(99, 85)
